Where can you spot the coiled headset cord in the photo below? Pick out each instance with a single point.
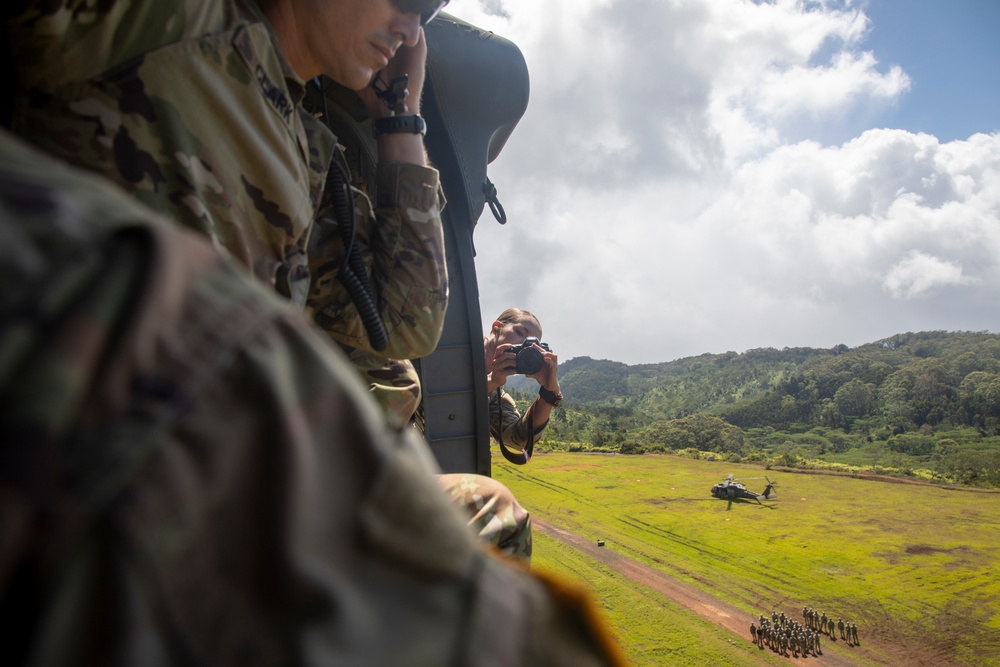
(352, 272)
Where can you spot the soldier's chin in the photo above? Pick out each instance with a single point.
(357, 78)
(361, 83)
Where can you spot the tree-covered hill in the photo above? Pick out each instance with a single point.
(920, 395)
(675, 388)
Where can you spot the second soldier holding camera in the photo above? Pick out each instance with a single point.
(514, 347)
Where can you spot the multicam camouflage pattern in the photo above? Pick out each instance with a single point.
(190, 475)
(189, 105)
(495, 515)
(393, 383)
(402, 253)
(403, 246)
(515, 425)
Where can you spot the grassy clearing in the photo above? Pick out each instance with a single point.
(651, 629)
(914, 566)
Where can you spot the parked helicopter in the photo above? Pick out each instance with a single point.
(730, 489)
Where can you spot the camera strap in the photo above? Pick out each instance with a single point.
(521, 458)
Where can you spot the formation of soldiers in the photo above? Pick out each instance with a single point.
(788, 637)
(785, 636)
(818, 620)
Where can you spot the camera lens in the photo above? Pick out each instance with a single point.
(529, 360)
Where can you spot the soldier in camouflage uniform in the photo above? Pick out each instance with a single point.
(190, 475)
(195, 106)
(506, 422)
(196, 109)
(496, 515)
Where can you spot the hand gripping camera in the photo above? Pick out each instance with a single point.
(529, 359)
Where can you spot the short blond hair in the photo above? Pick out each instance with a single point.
(515, 315)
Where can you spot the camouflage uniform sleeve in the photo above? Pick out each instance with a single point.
(74, 40)
(393, 383)
(402, 243)
(515, 425)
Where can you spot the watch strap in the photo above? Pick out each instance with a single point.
(550, 397)
(409, 124)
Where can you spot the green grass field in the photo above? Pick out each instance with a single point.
(916, 567)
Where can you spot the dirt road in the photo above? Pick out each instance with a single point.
(733, 619)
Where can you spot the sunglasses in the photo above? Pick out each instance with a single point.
(427, 9)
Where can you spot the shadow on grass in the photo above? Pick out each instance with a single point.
(744, 501)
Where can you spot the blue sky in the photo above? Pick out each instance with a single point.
(699, 176)
(951, 51)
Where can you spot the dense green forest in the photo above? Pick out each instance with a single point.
(921, 404)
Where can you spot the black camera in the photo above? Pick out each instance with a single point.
(529, 359)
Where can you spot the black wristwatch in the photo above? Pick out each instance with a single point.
(550, 397)
(411, 124)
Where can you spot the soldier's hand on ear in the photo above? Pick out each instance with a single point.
(409, 60)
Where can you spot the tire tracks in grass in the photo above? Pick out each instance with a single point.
(707, 606)
(548, 485)
(726, 559)
(700, 548)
